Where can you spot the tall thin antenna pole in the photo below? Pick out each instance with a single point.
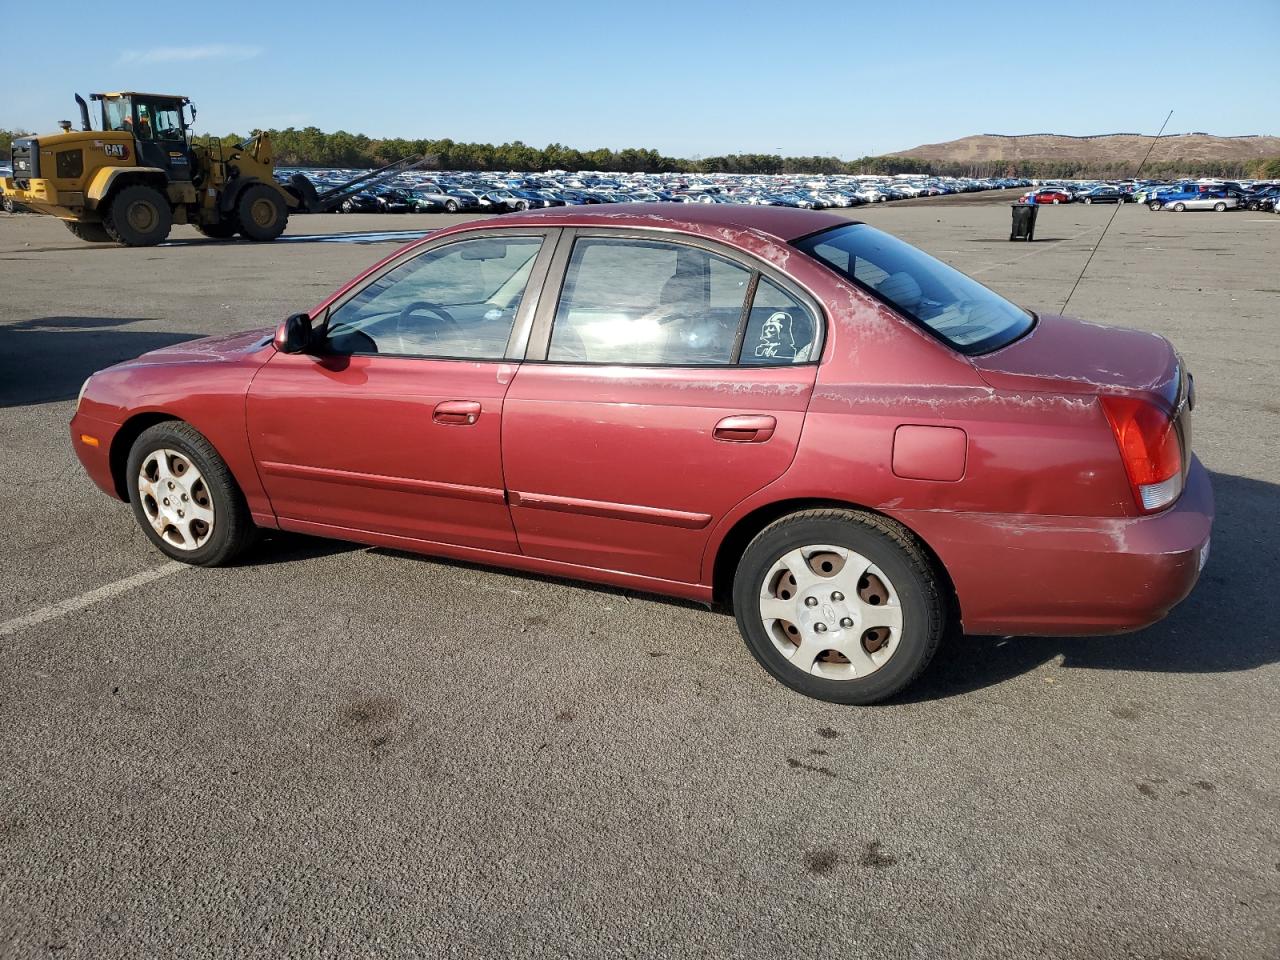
(1119, 204)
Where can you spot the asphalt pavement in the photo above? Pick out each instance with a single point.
(331, 750)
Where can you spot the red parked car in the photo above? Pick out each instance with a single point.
(1050, 196)
(855, 445)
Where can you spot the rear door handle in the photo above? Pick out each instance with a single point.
(458, 412)
(745, 429)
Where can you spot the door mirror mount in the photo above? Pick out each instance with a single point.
(294, 335)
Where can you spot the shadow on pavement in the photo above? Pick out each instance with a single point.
(45, 359)
(283, 546)
(1230, 623)
(601, 588)
(1018, 242)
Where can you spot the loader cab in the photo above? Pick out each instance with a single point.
(158, 126)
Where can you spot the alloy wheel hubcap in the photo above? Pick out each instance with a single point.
(176, 499)
(831, 612)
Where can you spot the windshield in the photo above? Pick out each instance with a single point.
(960, 311)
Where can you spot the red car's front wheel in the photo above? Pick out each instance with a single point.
(185, 498)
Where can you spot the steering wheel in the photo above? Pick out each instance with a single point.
(447, 321)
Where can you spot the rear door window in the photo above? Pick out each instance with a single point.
(648, 302)
(658, 303)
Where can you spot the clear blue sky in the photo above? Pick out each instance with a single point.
(689, 78)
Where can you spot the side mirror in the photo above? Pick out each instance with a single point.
(294, 335)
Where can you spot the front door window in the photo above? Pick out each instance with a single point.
(165, 121)
(457, 301)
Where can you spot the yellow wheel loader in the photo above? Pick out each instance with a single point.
(131, 180)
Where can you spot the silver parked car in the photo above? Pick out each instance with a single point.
(1216, 200)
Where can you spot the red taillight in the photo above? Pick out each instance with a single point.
(1149, 448)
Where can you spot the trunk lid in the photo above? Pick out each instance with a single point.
(1065, 355)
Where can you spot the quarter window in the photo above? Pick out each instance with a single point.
(780, 330)
(457, 301)
(648, 302)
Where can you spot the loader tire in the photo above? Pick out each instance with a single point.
(89, 232)
(139, 216)
(261, 213)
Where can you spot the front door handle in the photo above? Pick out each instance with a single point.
(457, 412)
(745, 429)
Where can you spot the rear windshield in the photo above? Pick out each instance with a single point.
(959, 311)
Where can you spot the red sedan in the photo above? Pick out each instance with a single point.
(1050, 196)
(856, 446)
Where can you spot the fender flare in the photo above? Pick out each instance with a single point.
(100, 186)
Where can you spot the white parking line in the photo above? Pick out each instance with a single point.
(64, 607)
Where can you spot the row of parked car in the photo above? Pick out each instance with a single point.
(1216, 195)
(454, 192)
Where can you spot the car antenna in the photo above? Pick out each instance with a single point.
(1119, 204)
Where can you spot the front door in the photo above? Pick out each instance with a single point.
(674, 385)
(393, 424)
(161, 139)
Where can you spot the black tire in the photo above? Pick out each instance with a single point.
(1219, 207)
(233, 527)
(222, 230)
(888, 545)
(451, 206)
(1155, 206)
(1088, 200)
(88, 232)
(1179, 208)
(138, 216)
(306, 191)
(261, 213)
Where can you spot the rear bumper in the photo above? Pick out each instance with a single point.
(1072, 576)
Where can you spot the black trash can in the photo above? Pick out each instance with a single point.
(1024, 221)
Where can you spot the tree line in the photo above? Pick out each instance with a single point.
(312, 147)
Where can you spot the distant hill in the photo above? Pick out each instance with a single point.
(1105, 150)
(1103, 155)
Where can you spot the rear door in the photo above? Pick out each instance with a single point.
(667, 381)
(393, 424)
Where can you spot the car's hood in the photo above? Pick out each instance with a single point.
(1072, 356)
(224, 348)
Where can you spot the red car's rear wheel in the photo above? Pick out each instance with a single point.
(839, 605)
